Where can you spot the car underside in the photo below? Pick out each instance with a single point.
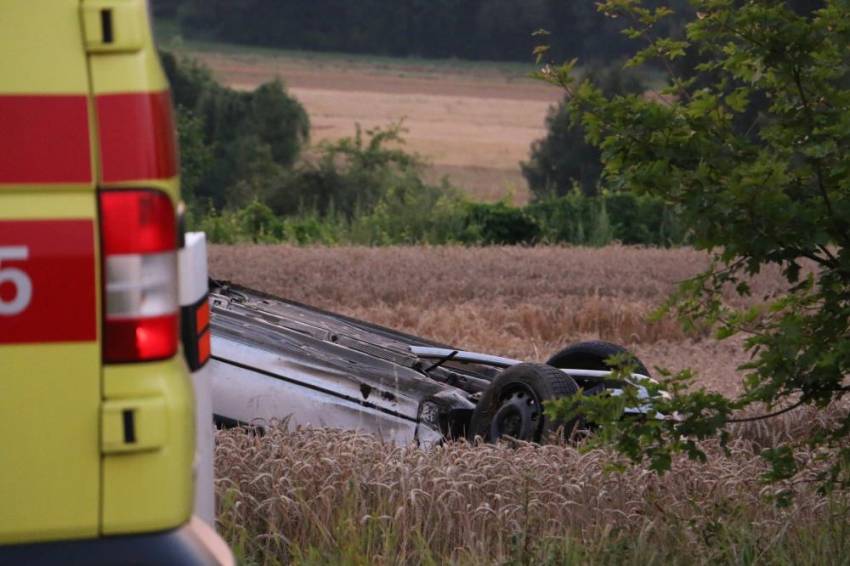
(276, 361)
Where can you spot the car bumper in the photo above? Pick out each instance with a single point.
(193, 543)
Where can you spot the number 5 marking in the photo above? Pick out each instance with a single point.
(20, 280)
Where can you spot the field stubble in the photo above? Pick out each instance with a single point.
(325, 496)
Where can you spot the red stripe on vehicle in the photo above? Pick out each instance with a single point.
(44, 139)
(47, 281)
(137, 139)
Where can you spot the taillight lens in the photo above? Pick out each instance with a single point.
(139, 232)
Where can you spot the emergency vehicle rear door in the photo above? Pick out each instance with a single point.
(50, 358)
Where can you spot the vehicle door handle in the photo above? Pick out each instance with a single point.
(112, 26)
(133, 425)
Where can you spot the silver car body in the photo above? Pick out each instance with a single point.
(279, 361)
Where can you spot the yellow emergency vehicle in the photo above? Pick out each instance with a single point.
(96, 401)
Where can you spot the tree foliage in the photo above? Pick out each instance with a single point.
(243, 182)
(776, 193)
(232, 142)
(564, 159)
(350, 175)
(366, 189)
(466, 29)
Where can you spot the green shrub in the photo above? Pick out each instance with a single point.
(499, 223)
(312, 229)
(564, 160)
(365, 190)
(415, 213)
(233, 144)
(623, 217)
(350, 176)
(260, 224)
(220, 227)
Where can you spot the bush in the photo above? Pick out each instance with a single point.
(499, 223)
(411, 214)
(349, 176)
(221, 228)
(242, 183)
(623, 217)
(564, 160)
(414, 213)
(360, 191)
(232, 143)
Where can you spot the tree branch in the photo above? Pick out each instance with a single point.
(840, 226)
(767, 416)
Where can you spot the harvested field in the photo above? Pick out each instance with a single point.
(327, 497)
(473, 122)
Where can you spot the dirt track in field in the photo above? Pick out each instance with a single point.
(474, 124)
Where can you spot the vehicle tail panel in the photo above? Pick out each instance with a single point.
(50, 387)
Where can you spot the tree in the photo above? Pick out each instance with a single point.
(280, 121)
(424, 28)
(564, 158)
(775, 194)
(348, 176)
(195, 155)
(234, 144)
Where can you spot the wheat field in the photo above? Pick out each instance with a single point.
(325, 496)
(518, 302)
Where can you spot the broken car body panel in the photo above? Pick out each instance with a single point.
(275, 360)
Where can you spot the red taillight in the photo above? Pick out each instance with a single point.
(137, 222)
(139, 232)
(131, 340)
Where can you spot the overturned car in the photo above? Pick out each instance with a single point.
(275, 360)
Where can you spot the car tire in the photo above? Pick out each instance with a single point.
(513, 404)
(592, 355)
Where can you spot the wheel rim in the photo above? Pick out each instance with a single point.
(519, 415)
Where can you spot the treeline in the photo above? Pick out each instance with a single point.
(232, 142)
(466, 29)
(245, 179)
(364, 190)
(563, 160)
(571, 219)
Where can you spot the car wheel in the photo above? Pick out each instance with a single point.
(592, 355)
(513, 404)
